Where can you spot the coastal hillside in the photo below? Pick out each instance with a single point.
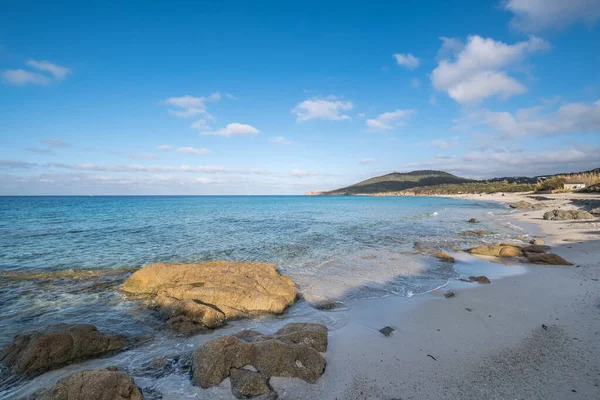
(396, 182)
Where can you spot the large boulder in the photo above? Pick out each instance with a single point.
(34, 353)
(560, 215)
(194, 297)
(294, 351)
(546, 259)
(498, 250)
(102, 384)
(524, 205)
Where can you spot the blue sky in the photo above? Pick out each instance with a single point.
(272, 97)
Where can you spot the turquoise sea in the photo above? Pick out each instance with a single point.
(63, 258)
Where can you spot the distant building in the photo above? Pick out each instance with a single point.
(573, 186)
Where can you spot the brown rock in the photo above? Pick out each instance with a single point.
(567, 215)
(524, 205)
(245, 383)
(103, 384)
(498, 250)
(294, 351)
(546, 259)
(473, 221)
(192, 297)
(34, 353)
(475, 232)
(479, 279)
(536, 248)
(536, 241)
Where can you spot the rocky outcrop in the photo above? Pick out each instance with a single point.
(595, 212)
(102, 384)
(561, 215)
(524, 205)
(195, 297)
(250, 358)
(498, 250)
(34, 353)
(546, 259)
(480, 279)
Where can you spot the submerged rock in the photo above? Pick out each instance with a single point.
(473, 221)
(440, 255)
(559, 215)
(294, 351)
(498, 250)
(194, 297)
(34, 353)
(480, 279)
(102, 384)
(546, 259)
(475, 232)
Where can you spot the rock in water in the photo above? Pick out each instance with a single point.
(524, 205)
(386, 331)
(479, 279)
(473, 221)
(536, 241)
(498, 250)
(560, 215)
(294, 351)
(546, 259)
(34, 353)
(193, 297)
(102, 384)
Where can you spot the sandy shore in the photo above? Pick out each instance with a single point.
(531, 336)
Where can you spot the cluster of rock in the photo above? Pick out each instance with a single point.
(250, 358)
(524, 205)
(561, 215)
(194, 297)
(534, 253)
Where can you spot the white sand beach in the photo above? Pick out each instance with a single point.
(529, 336)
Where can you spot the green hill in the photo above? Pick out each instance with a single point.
(396, 182)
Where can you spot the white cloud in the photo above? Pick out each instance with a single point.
(475, 71)
(193, 150)
(164, 147)
(143, 156)
(407, 60)
(302, 173)
(280, 140)
(367, 161)
(389, 120)
(536, 15)
(189, 106)
(20, 77)
(57, 71)
(570, 118)
(330, 108)
(415, 83)
(234, 129)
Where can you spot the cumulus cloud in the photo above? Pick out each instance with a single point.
(389, 120)
(234, 129)
(280, 140)
(57, 71)
(330, 108)
(570, 118)
(193, 150)
(164, 147)
(20, 77)
(302, 173)
(474, 71)
(537, 15)
(143, 156)
(367, 161)
(407, 60)
(189, 106)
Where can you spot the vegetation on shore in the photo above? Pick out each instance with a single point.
(556, 182)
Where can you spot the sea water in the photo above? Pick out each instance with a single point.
(63, 258)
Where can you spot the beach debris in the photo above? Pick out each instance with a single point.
(480, 279)
(498, 250)
(386, 331)
(192, 298)
(560, 215)
(473, 221)
(34, 353)
(449, 294)
(432, 357)
(101, 384)
(294, 351)
(524, 205)
(546, 259)
(536, 242)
